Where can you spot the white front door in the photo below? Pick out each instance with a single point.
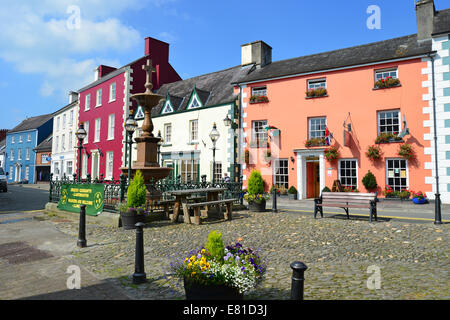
(17, 174)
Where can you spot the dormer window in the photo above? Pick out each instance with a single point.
(168, 107)
(194, 102)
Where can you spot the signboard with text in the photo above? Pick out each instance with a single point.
(74, 195)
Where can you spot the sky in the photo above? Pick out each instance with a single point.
(49, 47)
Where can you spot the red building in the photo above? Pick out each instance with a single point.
(105, 103)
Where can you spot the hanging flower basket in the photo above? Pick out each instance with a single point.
(331, 153)
(373, 153)
(247, 156)
(406, 151)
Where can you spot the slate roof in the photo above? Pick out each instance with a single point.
(32, 123)
(45, 145)
(441, 22)
(401, 47)
(212, 88)
(2, 143)
(74, 103)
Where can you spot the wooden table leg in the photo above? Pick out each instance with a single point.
(176, 209)
(187, 219)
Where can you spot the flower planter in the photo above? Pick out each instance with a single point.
(196, 291)
(257, 207)
(129, 219)
(419, 200)
(293, 196)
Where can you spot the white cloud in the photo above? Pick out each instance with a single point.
(35, 38)
(167, 37)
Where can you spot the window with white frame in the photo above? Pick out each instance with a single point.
(99, 98)
(111, 120)
(19, 154)
(70, 140)
(109, 164)
(56, 166)
(389, 121)
(86, 127)
(167, 133)
(97, 130)
(281, 173)
(29, 137)
(69, 168)
(112, 92)
(348, 173)
(84, 166)
(71, 118)
(259, 134)
(57, 123)
(10, 172)
(189, 170)
(44, 158)
(316, 127)
(317, 83)
(167, 107)
(259, 91)
(20, 139)
(13, 139)
(11, 155)
(63, 142)
(27, 154)
(27, 172)
(87, 102)
(397, 174)
(218, 171)
(195, 102)
(57, 144)
(383, 74)
(64, 121)
(193, 130)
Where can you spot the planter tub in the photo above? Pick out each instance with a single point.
(293, 196)
(257, 207)
(419, 201)
(195, 291)
(129, 219)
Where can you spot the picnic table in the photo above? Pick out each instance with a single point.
(212, 194)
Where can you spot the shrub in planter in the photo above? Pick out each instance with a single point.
(136, 197)
(326, 189)
(256, 197)
(216, 272)
(369, 181)
(292, 193)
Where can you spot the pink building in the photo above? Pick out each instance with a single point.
(105, 103)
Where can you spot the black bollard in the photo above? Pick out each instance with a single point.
(274, 200)
(139, 275)
(298, 280)
(82, 227)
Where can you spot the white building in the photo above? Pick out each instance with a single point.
(185, 120)
(65, 125)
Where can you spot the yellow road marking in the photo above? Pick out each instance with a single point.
(365, 215)
(29, 211)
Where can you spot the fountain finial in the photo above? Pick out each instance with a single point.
(149, 70)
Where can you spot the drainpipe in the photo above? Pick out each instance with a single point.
(437, 203)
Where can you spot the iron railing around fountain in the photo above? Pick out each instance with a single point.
(116, 189)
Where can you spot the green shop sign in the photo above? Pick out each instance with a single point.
(74, 195)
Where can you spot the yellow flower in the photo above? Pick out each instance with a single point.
(189, 264)
(208, 265)
(203, 251)
(192, 259)
(195, 263)
(203, 268)
(192, 274)
(185, 260)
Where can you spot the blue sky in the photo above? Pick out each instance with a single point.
(41, 58)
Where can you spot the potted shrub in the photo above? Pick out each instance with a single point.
(331, 153)
(292, 193)
(419, 197)
(369, 181)
(406, 151)
(216, 272)
(133, 211)
(283, 191)
(373, 152)
(326, 189)
(256, 197)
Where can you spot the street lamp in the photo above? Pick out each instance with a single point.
(227, 121)
(160, 142)
(81, 134)
(130, 127)
(214, 135)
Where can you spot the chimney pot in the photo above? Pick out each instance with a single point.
(425, 12)
(257, 52)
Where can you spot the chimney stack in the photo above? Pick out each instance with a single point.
(257, 52)
(425, 12)
(73, 96)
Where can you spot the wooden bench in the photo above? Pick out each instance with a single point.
(196, 206)
(346, 200)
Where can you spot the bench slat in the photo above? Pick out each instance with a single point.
(346, 201)
(347, 197)
(341, 205)
(200, 204)
(348, 193)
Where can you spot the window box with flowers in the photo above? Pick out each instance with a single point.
(406, 151)
(373, 153)
(331, 153)
(387, 82)
(390, 193)
(315, 142)
(258, 99)
(316, 93)
(387, 137)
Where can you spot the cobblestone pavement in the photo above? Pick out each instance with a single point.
(413, 258)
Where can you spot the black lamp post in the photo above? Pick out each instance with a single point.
(130, 127)
(81, 134)
(214, 135)
(160, 142)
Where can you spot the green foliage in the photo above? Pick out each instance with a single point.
(137, 192)
(215, 245)
(123, 207)
(369, 181)
(255, 183)
(292, 190)
(326, 189)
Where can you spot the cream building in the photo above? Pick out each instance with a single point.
(64, 140)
